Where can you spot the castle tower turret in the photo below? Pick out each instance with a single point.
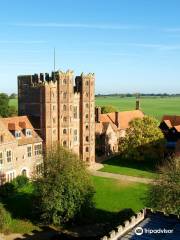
(87, 118)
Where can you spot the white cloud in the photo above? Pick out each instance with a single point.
(78, 25)
(22, 42)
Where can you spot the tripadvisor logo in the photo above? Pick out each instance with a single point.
(139, 231)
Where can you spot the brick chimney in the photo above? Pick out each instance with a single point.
(138, 102)
(117, 119)
(97, 114)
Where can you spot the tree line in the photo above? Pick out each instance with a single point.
(140, 94)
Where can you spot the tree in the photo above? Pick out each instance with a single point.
(4, 105)
(65, 190)
(143, 140)
(13, 96)
(165, 194)
(5, 109)
(108, 109)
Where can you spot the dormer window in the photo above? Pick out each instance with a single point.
(17, 134)
(28, 132)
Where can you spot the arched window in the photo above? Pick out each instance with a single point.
(87, 138)
(24, 172)
(64, 143)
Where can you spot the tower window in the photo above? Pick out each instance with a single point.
(64, 143)
(64, 81)
(87, 127)
(64, 95)
(87, 83)
(87, 138)
(64, 119)
(87, 105)
(75, 112)
(64, 107)
(75, 135)
(87, 149)
(64, 131)
(87, 116)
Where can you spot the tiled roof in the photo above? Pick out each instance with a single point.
(20, 123)
(177, 128)
(123, 117)
(168, 123)
(172, 121)
(17, 123)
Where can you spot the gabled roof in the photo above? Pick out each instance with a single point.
(124, 118)
(8, 137)
(20, 123)
(168, 123)
(177, 128)
(17, 123)
(173, 119)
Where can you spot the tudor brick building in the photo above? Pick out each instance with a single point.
(20, 149)
(61, 111)
(110, 127)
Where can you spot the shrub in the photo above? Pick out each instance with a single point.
(5, 218)
(7, 189)
(20, 181)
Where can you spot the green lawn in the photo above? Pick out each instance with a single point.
(114, 195)
(115, 201)
(154, 106)
(121, 166)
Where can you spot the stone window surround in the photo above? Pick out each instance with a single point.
(10, 175)
(7, 155)
(1, 157)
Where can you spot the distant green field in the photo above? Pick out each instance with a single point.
(153, 106)
(13, 102)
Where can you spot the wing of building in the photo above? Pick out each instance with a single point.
(20, 148)
(110, 127)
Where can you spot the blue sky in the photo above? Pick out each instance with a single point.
(131, 45)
